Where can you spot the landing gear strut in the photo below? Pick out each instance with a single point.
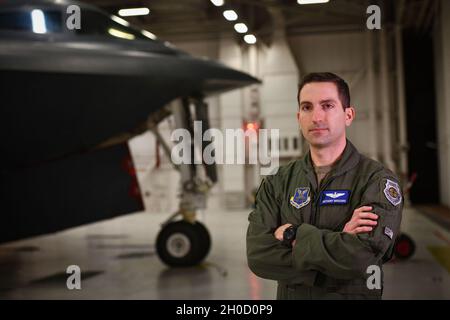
(186, 242)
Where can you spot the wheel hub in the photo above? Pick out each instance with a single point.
(178, 245)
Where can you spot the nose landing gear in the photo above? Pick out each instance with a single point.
(182, 244)
(186, 242)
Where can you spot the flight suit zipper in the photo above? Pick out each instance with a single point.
(317, 199)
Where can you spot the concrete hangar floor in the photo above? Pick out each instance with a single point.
(118, 261)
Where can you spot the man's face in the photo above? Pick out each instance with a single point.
(321, 116)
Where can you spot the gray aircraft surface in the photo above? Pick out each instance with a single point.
(70, 101)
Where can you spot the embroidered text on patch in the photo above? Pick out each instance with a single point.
(334, 197)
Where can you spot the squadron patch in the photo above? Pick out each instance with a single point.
(389, 232)
(301, 198)
(392, 192)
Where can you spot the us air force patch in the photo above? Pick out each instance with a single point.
(301, 198)
(392, 192)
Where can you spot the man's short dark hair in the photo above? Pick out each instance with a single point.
(342, 86)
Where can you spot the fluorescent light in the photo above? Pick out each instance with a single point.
(120, 34)
(149, 34)
(240, 27)
(38, 21)
(230, 15)
(218, 3)
(134, 12)
(311, 1)
(250, 39)
(120, 21)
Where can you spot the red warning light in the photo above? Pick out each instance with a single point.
(252, 126)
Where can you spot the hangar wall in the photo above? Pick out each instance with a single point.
(357, 57)
(362, 58)
(349, 60)
(442, 71)
(275, 100)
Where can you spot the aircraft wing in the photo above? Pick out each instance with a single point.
(64, 95)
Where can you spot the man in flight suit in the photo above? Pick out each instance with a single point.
(323, 225)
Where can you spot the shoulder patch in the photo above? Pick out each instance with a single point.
(301, 198)
(392, 192)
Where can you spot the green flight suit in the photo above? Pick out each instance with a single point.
(325, 262)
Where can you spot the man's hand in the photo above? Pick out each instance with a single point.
(362, 221)
(280, 230)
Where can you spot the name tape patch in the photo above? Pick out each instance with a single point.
(329, 197)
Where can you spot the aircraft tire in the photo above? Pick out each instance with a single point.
(205, 240)
(404, 247)
(182, 244)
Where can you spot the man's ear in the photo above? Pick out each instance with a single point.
(350, 114)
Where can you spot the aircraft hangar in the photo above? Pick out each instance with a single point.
(136, 135)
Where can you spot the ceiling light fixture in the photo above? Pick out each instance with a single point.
(148, 34)
(121, 21)
(250, 38)
(240, 27)
(120, 34)
(218, 3)
(230, 15)
(311, 1)
(134, 12)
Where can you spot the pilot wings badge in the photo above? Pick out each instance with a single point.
(301, 198)
(334, 197)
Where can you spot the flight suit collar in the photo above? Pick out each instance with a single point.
(349, 159)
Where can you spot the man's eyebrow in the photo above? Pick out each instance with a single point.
(328, 101)
(305, 102)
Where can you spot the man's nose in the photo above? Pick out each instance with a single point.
(317, 114)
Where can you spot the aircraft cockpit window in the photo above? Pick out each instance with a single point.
(37, 21)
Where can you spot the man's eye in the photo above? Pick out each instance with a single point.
(306, 108)
(328, 106)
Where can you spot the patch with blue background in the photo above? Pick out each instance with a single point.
(301, 198)
(330, 197)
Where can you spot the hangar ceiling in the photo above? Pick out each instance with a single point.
(176, 20)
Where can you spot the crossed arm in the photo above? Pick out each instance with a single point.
(342, 255)
(362, 221)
